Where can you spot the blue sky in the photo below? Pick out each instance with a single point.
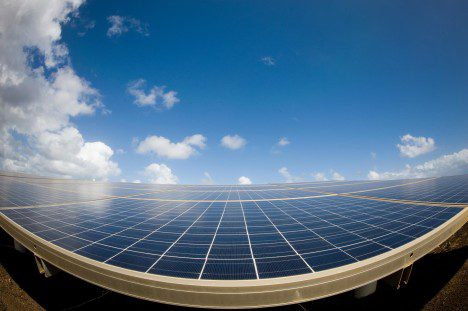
(338, 80)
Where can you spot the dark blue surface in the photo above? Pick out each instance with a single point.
(230, 239)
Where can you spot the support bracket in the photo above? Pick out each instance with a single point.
(19, 247)
(399, 278)
(45, 268)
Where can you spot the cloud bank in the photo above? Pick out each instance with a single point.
(40, 93)
(451, 164)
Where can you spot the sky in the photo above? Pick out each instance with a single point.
(234, 92)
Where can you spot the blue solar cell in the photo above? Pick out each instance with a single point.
(188, 250)
(328, 259)
(365, 250)
(92, 235)
(223, 251)
(150, 247)
(196, 238)
(231, 239)
(134, 233)
(162, 236)
(50, 234)
(71, 229)
(394, 240)
(272, 250)
(311, 245)
(281, 266)
(229, 270)
(35, 227)
(344, 239)
(97, 252)
(118, 241)
(133, 260)
(274, 237)
(178, 267)
(71, 243)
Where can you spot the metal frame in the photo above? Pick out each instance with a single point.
(239, 293)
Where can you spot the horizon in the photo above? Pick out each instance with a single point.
(33, 176)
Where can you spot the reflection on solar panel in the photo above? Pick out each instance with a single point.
(204, 245)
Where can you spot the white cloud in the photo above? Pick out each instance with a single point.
(334, 176)
(373, 175)
(39, 94)
(320, 177)
(288, 177)
(197, 140)
(268, 61)
(412, 147)
(163, 147)
(283, 142)
(233, 142)
(160, 174)
(156, 97)
(208, 180)
(337, 176)
(280, 144)
(373, 155)
(62, 153)
(122, 24)
(244, 181)
(450, 164)
(123, 180)
(136, 181)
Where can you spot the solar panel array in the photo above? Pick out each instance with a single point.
(231, 232)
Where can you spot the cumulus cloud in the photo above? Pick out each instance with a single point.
(280, 144)
(208, 180)
(233, 142)
(288, 177)
(163, 147)
(40, 93)
(450, 164)
(244, 180)
(319, 177)
(322, 177)
(122, 24)
(412, 147)
(156, 97)
(268, 61)
(61, 153)
(160, 174)
(373, 175)
(283, 142)
(337, 176)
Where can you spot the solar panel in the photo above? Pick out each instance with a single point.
(231, 233)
